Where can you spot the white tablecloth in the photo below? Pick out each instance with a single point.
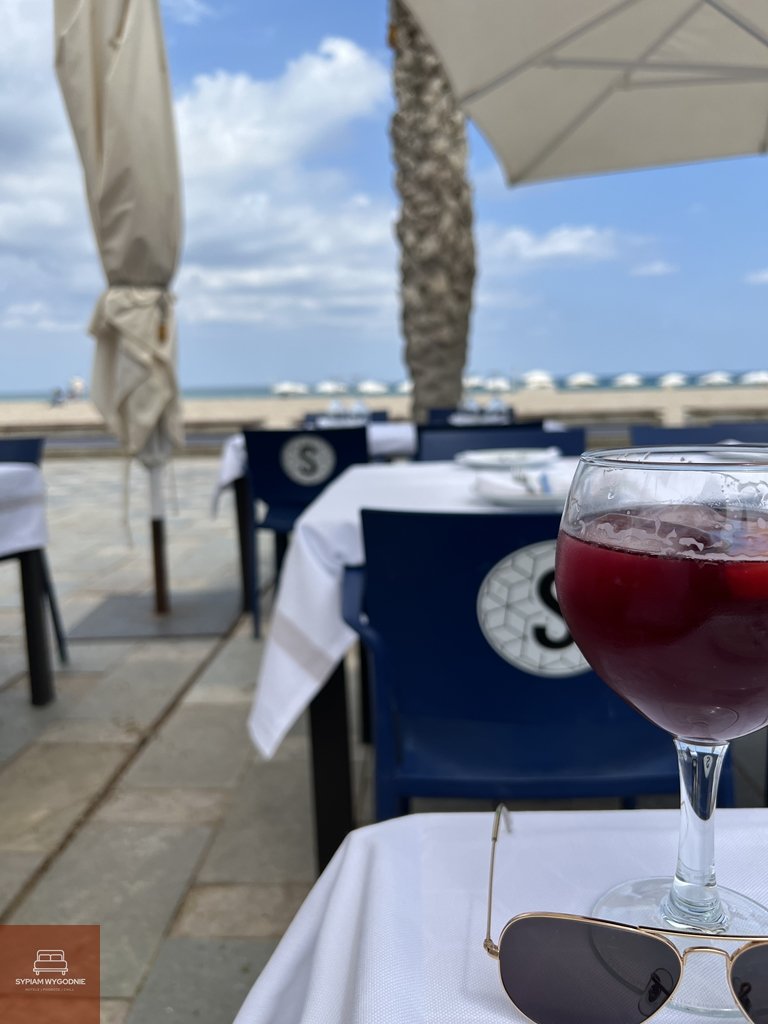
(307, 636)
(392, 931)
(22, 508)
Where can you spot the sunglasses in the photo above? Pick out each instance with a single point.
(568, 969)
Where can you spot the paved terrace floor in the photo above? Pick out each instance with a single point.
(136, 801)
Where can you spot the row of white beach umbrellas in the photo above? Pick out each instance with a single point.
(534, 379)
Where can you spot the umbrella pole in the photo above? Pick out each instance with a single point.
(162, 600)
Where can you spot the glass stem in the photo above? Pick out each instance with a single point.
(693, 901)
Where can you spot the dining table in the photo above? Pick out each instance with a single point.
(393, 929)
(307, 640)
(24, 536)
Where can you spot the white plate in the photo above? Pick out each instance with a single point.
(507, 458)
(498, 490)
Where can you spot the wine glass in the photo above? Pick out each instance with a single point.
(662, 578)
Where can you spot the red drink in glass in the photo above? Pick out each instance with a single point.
(681, 635)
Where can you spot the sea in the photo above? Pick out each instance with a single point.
(497, 384)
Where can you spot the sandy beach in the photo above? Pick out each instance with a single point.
(200, 414)
(668, 407)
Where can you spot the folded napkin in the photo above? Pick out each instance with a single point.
(546, 487)
(554, 479)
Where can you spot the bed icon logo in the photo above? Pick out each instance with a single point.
(50, 961)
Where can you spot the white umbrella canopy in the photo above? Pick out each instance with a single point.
(562, 88)
(112, 69)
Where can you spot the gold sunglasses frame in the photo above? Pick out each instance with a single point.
(664, 935)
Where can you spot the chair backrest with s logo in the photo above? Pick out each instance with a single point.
(478, 689)
(287, 469)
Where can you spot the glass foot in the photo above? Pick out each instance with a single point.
(704, 988)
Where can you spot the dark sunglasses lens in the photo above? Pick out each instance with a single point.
(749, 977)
(568, 971)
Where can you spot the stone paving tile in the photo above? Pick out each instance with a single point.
(264, 837)
(240, 911)
(76, 730)
(95, 656)
(75, 608)
(230, 678)
(47, 788)
(167, 806)
(138, 690)
(126, 578)
(295, 747)
(130, 879)
(21, 723)
(218, 560)
(16, 869)
(200, 746)
(203, 980)
(114, 1011)
(11, 623)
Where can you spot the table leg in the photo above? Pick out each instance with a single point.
(246, 541)
(38, 648)
(331, 766)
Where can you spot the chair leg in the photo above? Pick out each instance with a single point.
(389, 803)
(38, 651)
(366, 711)
(726, 794)
(245, 538)
(61, 636)
(281, 546)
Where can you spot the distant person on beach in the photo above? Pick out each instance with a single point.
(57, 397)
(76, 388)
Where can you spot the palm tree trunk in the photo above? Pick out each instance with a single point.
(437, 251)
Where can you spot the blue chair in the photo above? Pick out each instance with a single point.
(443, 417)
(439, 417)
(436, 443)
(288, 469)
(713, 433)
(30, 450)
(469, 669)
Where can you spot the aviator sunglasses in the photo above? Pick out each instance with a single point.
(568, 969)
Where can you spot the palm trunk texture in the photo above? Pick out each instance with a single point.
(437, 250)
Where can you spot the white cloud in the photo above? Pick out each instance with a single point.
(757, 277)
(656, 268)
(585, 243)
(188, 12)
(233, 126)
(275, 231)
(37, 315)
(270, 240)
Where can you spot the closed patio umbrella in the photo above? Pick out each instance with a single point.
(111, 66)
(562, 88)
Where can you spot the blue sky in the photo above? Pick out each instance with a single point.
(290, 265)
